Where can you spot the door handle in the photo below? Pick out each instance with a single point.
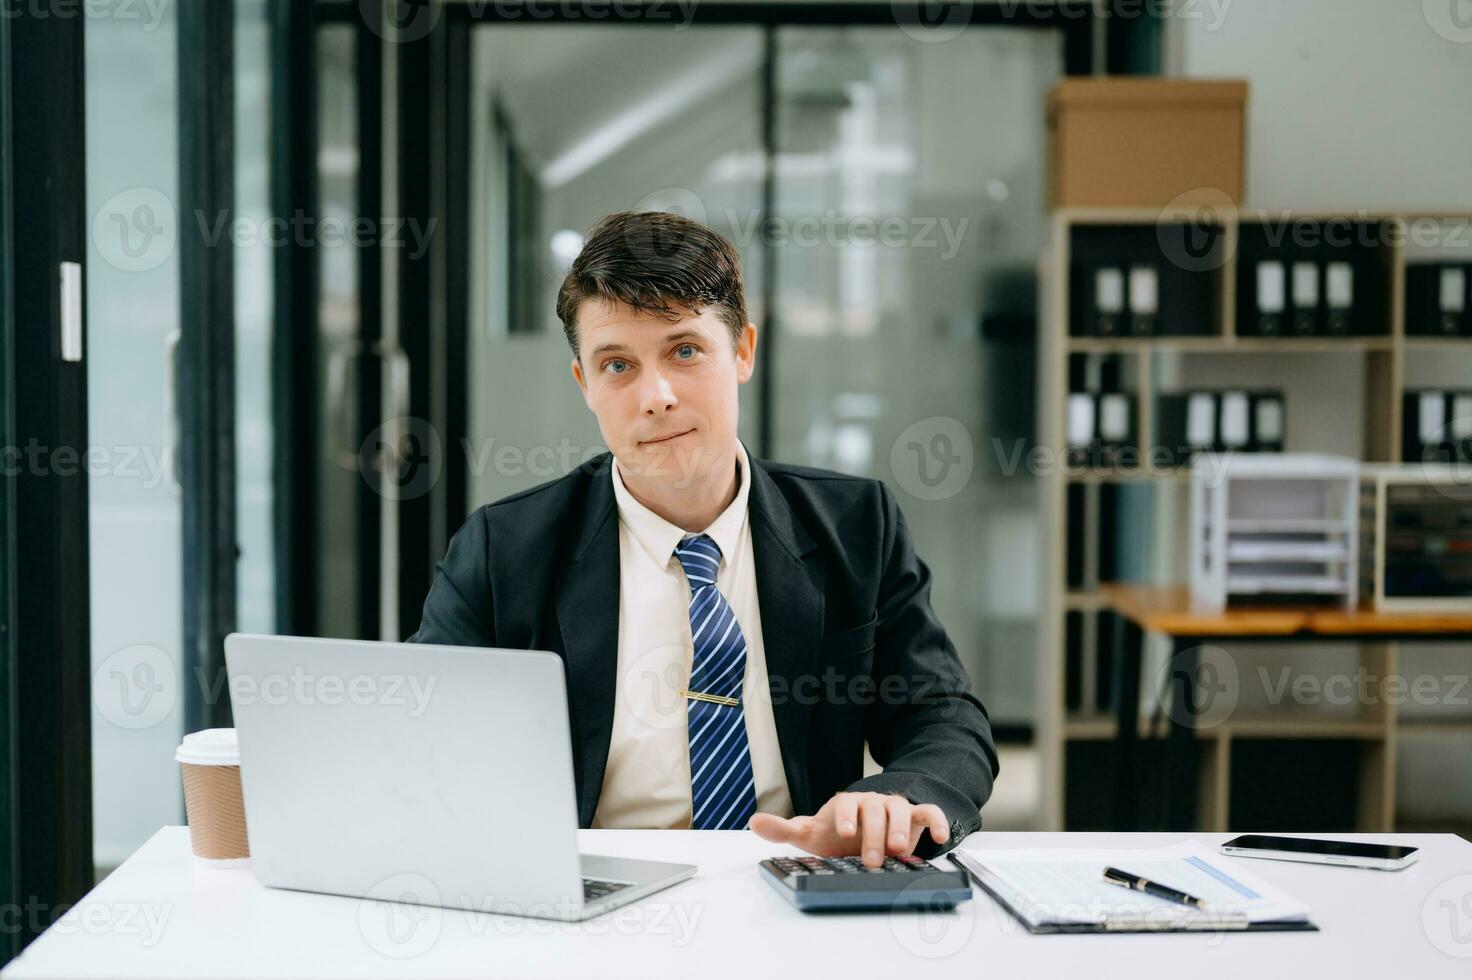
(171, 411)
(342, 400)
(395, 428)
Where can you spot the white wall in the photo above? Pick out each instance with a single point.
(1353, 103)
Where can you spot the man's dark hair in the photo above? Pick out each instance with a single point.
(657, 263)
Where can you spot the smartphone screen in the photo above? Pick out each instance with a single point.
(1336, 848)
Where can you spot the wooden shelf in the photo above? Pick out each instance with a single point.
(1230, 344)
(1438, 343)
(1100, 727)
(1225, 215)
(1126, 475)
(1435, 726)
(1167, 610)
(1269, 726)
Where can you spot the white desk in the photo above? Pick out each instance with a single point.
(162, 915)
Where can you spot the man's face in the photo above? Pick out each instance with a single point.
(664, 393)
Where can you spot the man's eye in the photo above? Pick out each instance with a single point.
(615, 367)
(680, 351)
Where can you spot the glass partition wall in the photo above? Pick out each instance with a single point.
(893, 283)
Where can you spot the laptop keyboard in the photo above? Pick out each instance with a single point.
(596, 888)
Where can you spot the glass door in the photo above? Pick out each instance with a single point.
(144, 571)
(133, 310)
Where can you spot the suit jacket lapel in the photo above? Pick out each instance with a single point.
(587, 616)
(789, 586)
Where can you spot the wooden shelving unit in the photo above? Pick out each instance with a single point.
(1384, 363)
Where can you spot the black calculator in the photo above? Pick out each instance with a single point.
(819, 884)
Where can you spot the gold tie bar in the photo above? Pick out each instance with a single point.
(712, 698)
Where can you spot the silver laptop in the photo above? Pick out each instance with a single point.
(429, 775)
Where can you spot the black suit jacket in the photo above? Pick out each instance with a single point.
(854, 651)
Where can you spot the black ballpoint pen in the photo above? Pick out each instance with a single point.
(1149, 887)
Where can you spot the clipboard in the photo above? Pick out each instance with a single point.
(1129, 912)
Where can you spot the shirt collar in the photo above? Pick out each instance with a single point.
(658, 536)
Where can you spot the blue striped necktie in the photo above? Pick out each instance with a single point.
(722, 787)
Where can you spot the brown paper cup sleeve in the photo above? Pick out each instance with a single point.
(216, 811)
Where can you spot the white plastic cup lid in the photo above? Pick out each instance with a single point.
(211, 747)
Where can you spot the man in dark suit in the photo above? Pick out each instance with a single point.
(734, 630)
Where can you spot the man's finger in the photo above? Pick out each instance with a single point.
(846, 814)
(928, 815)
(769, 826)
(898, 809)
(919, 821)
(872, 816)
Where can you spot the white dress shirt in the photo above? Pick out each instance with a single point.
(647, 781)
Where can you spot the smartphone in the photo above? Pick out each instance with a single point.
(1354, 854)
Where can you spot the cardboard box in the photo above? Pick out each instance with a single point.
(1145, 142)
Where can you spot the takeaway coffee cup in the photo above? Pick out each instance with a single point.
(210, 763)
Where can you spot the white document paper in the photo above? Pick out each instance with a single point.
(1462, 417)
(1270, 287)
(1109, 290)
(1305, 285)
(1065, 886)
(1269, 420)
(1453, 293)
(1114, 417)
(1144, 289)
(1080, 419)
(1201, 420)
(1431, 415)
(1340, 277)
(1234, 419)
